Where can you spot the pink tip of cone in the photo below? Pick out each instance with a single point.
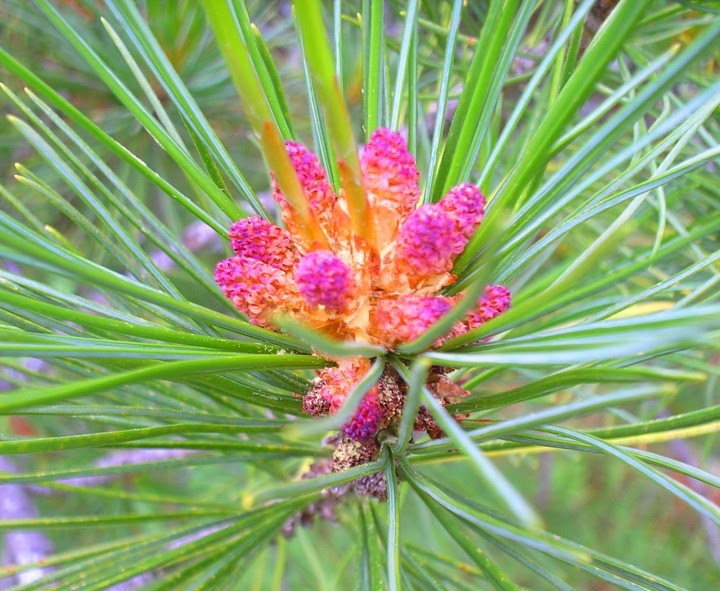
(324, 280)
(494, 301)
(312, 177)
(364, 423)
(405, 318)
(466, 205)
(389, 167)
(257, 238)
(426, 242)
(255, 288)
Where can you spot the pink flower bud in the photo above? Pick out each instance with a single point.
(324, 280)
(255, 288)
(466, 205)
(312, 176)
(256, 238)
(320, 195)
(403, 319)
(426, 243)
(391, 179)
(494, 301)
(335, 383)
(366, 420)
